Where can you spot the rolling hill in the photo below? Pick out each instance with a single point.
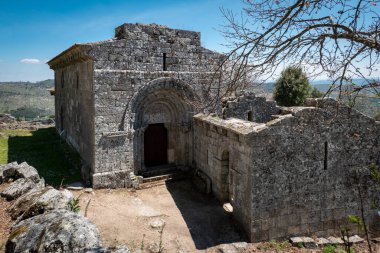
(26, 100)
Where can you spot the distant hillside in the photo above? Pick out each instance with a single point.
(26, 100)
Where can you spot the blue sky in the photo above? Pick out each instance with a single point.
(33, 31)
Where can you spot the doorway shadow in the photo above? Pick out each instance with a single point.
(205, 218)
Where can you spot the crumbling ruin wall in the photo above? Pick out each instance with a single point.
(249, 107)
(302, 167)
(144, 56)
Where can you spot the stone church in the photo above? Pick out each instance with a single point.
(134, 105)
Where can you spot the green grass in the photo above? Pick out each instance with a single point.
(329, 249)
(42, 149)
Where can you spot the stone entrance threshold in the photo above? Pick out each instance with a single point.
(193, 221)
(160, 175)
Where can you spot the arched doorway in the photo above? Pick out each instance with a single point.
(162, 122)
(155, 145)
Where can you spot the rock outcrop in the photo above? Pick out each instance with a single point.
(43, 221)
(20, 187)
(55, 231)
(15, 171)
(38, 202)
(6, 168)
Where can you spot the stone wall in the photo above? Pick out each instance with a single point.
(302, 167)
(249, 107)
(74, 108)
(296, 170)
(223, 154)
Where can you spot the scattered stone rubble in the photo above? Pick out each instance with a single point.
(43, 220)
(6, 118)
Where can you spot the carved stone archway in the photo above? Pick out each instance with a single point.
(169, 102)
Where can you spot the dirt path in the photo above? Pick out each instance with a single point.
(193, 222)
(5, 220)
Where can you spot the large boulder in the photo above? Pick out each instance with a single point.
(6, 168)
(55, 231)
(20, 187)
(22, 170)
(38, 202)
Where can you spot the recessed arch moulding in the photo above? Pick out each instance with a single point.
(170, 102)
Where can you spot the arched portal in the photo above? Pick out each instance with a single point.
(162, 125)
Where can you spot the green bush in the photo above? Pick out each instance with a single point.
(329, 249)
(73, 205)
(292, 88)
(315, 93)
(29, 113)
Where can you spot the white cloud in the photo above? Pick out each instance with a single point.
(30, 61)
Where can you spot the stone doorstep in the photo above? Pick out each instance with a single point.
(76, 186)
(162, 179)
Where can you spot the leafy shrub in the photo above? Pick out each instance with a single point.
(315, 93)
(329, 249)
(292, 88)
(28, 113)
(74, 205)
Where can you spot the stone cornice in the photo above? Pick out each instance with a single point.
(72, 55)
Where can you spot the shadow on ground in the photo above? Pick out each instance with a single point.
(205, 218)
(44, 150)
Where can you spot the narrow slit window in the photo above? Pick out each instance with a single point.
(326, 156)
(77, 82)
(164, 62)
(62, 118)
(250, 116)
(62, 79)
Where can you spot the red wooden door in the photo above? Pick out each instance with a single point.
(155, 145)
